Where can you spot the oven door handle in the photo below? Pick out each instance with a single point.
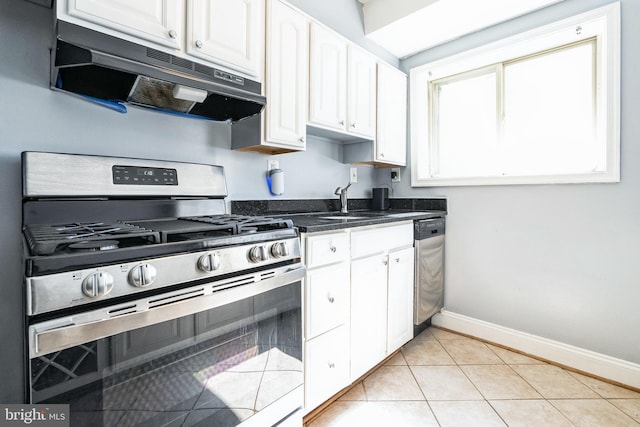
(67, 332)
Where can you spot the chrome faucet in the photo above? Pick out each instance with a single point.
(342, 192)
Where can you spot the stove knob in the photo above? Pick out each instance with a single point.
(142, 275)
(279, 250)
(209, 262)
(258, 253)
(97, 284)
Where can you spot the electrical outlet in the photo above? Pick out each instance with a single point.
(395, 174)
(353, 175)
(273, 164)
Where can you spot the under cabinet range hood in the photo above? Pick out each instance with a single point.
(115, 72)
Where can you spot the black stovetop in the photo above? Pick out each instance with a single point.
(63, 247)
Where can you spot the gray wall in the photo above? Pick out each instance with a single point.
(558, 261)
(33, 117)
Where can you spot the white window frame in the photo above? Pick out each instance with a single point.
(602, 23)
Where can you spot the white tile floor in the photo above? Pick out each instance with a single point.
(444, 379)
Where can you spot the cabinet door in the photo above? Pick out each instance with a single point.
(228, 32)
(391, 137)
(368, 313)
(327, 302)
(361, 100)
(328, 78)
(286, 79)
(326, 369)
(158, 21)
(400, 299)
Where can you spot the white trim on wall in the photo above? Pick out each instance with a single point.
(600, 365)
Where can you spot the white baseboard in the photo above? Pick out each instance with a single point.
(587, 361)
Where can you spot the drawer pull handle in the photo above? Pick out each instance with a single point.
(397, 259)
(331, 299)
(333, 249)
(332, 365)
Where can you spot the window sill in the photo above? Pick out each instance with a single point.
(593, 178)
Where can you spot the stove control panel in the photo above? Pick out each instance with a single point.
(136, 175)
(75, 288)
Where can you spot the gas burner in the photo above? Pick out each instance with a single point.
(44, 239)
(243, 224)
(93, 245)
(82, 231)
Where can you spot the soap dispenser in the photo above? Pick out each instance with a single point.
(275, 180)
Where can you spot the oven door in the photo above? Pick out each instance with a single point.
(195, 356)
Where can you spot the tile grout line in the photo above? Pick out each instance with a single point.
(435, 417)
(474, 384)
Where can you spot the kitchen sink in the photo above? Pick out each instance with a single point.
(343, 217)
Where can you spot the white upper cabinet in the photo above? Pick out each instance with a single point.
(361, 99)
(157, 21)
(391, 136)
(286, 77)
(342, 79)
(225, 33)
(328, 78)
(229, 32)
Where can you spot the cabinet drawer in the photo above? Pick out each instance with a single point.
(327, 302)
(381, 239)
(326, 366)
(326, 249)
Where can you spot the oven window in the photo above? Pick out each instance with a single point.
(218, 367)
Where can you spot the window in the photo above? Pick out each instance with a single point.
(542, 107)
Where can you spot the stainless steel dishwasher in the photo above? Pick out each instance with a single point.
(428, 297)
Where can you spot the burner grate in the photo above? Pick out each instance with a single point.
(241, 224)
(44, 239)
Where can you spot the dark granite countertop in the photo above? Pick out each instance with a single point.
(327, 221)
(311, 215)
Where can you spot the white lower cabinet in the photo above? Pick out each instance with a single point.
(358, 303)
(400, 298)
(381, 294)
(326, 315)
(326, 367)
(368, 313)
(328, 298)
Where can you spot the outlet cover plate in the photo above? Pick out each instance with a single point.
(353, 175)
(395, 174)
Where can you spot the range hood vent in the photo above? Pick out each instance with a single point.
(115, 72)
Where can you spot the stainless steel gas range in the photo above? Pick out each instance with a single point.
(147, 304)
